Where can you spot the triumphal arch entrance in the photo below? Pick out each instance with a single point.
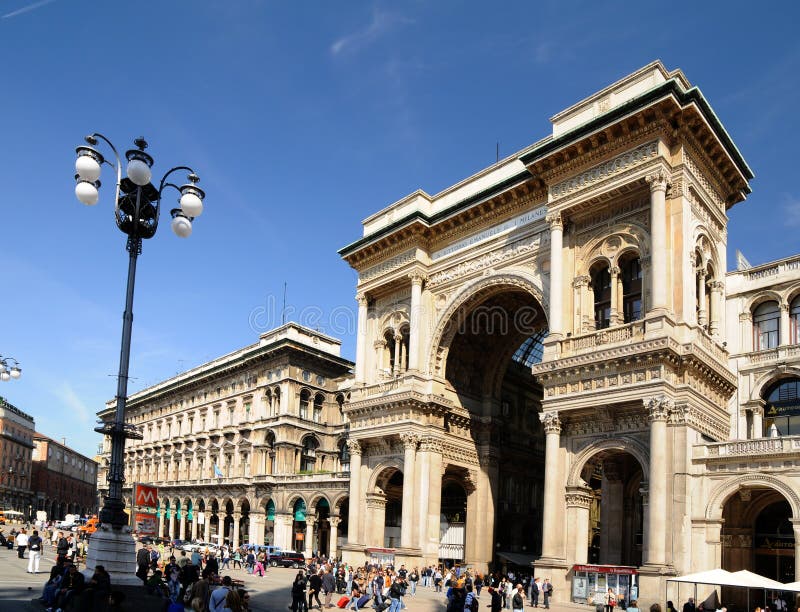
(540, 345)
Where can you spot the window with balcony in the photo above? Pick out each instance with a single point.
(766, 326)
(601, 289)
(794, 321)
(344, 456)
(631, 272)
(318, 408)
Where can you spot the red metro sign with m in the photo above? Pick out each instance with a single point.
(146, 496)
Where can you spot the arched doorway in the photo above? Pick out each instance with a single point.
(616, 512)
(299, 511)
(486, 348)
(269, 522)
(322, 530)
(757, 535)
(388, 496)
(244, 524)
(452, 530)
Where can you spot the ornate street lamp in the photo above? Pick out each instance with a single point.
(9, 370)
(136, 212)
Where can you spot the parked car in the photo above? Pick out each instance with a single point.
(289, 559)
(178, 544)
(153, 540)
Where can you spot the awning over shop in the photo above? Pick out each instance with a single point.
(520, 559)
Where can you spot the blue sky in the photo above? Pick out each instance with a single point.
(302, 118)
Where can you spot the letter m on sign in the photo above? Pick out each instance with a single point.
(146, 496)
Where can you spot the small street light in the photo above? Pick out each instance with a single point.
(137, 206)
(9, 370)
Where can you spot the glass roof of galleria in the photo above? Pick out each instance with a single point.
(530, 352)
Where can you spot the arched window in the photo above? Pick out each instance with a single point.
(601, 288)
(344, 456)
(305, 399)
(794, 321)
(389, 341)
(308, 458)
(782, 408)
(766, 326)
(318, 400)
(631, 272)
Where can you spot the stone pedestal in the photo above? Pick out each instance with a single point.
(115, 550)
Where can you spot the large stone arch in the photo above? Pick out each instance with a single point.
(729, 487)
(379, 472)
(471, 295)
(627, 444)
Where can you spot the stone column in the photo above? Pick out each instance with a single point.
(333, 543)
(256, 534)
(758, 422)
(235, 539)
(579, 500)
(171, 523)
(194, 524)
(702, 315)
(207, 527)
(380, 349)
(161, 521)
(657, 411)
(283, 531)
(309, 537)
(409, 465)
(376, 519)
(796, 527)
(746, 331)
(658, 239)
(361, 340)
(414, 340)
(552, 521)
(715, 317)
(182, 526)
(353, 518)
(614, 317)
(398, 344)
(423, 490)
(785, 325)
(556, 289)
(580, 284)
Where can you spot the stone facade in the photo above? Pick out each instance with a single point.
(63, 481)
(244, 447)
(16, 445)
(580, 281)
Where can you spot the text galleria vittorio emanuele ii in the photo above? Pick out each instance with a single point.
(554, 370)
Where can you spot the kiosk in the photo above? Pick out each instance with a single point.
(590, 583)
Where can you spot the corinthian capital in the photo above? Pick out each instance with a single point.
(417, 278)
(409, 440)
(550, 422)
(555, 220)
(361, 298)
(657, 407)
(354, 446)
(658, 181)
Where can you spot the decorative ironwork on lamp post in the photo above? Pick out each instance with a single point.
(136, 211)
(9, 368)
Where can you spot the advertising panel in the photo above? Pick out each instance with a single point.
(146, 524)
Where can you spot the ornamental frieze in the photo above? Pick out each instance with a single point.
(394, 263)
(606, 170)
(491, 259)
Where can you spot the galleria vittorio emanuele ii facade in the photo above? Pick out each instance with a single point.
(552, 367)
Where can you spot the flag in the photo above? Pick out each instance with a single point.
(217, 471)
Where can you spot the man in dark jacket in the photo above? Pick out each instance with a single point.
(70, 586)
(142, 563)
(314, 587)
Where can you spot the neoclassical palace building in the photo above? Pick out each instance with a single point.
(553, 366)
(250, 447)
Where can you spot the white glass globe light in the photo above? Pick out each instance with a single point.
(191, 205)
(86, 193)
(16, 372)
(182, 226)
(139, 172)
(87, 168)
(4, 376)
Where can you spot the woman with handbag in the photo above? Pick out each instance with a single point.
(610, 600)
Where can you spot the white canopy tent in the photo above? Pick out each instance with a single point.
(742, 579)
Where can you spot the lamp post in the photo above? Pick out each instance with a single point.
(136, 212)
(9, 368)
